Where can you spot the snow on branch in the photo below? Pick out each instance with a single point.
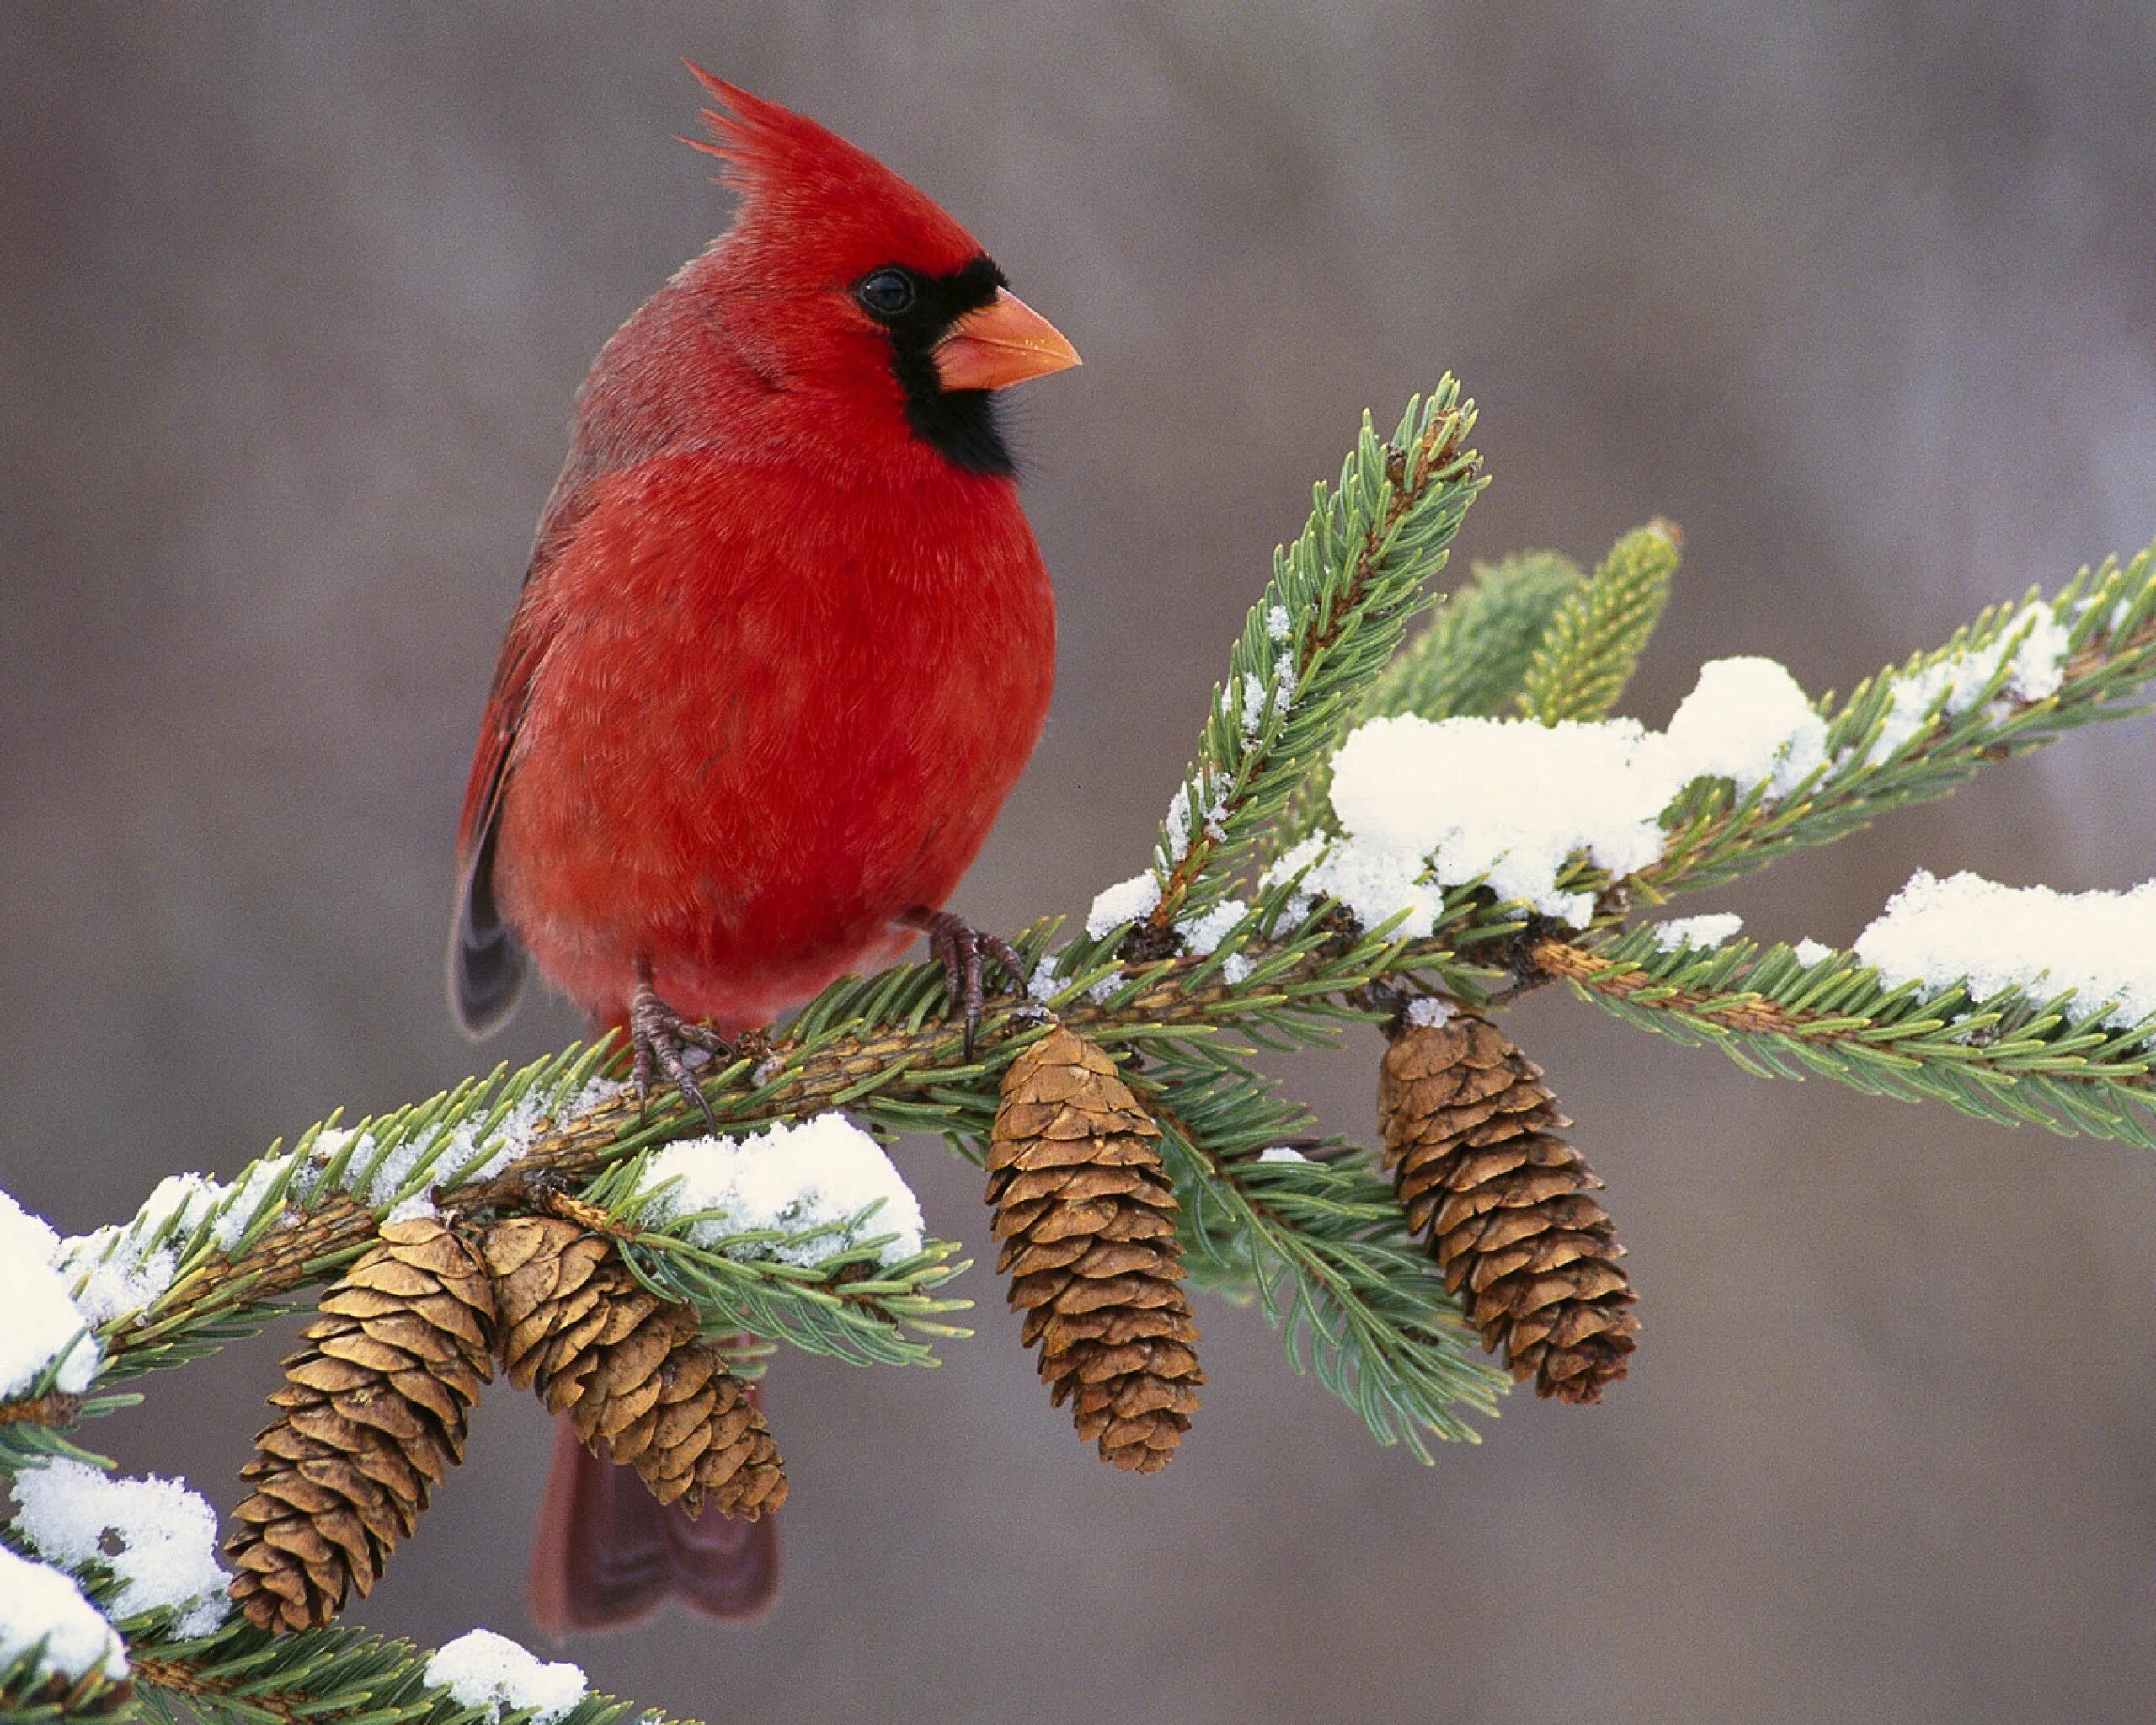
(2040, 1056)
(153, 1539)
(2100, 947)
(1425, 804)
(48, 1628)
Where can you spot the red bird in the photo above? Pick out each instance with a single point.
(784, 647)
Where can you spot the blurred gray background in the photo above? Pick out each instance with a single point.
(292, 299)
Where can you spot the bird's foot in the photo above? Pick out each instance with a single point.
(959, 948)
(661, 1038)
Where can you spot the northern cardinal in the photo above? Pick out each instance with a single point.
(785, 644)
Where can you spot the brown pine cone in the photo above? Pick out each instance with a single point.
(1087, 1219)
(629, 1370)
(1507, 1205)
(374, 1413)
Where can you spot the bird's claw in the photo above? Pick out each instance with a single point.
(959, 948)
(658, 1037)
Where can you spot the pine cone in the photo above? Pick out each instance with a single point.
(375, 1408)
(1087, 1219)
(1467, 1122)
(629, 1370)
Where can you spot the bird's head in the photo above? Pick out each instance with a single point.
(863, 288)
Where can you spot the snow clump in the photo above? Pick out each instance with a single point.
(41, 1607)
(158, 1538)
(43, 1324)
(1126, 901)
(1424, 803)
(821, 1173)
(2031, 648)
(2101, 945)
(484, 1669)
(1710, 931)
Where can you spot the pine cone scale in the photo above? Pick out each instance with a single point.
(1085, 1214)
(1469, 1128)
(373, 1411)
(638, 1382)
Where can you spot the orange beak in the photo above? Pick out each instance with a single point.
(1006, 341)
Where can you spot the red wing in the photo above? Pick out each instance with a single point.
(486, 967)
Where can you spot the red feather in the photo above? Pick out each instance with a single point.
(784, 646)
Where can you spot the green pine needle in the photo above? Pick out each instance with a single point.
(1327, 623)
(1594, 640)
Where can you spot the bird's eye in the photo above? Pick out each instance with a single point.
(886, 293)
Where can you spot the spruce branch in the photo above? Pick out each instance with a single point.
(1593, 641)
(334, 1676)
(2006, 1058)
(1186, 1001)
(1322, 1242)
(804, 1287)
(1953, 725)
(1339, 600)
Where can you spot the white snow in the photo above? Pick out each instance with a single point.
(121, 1270)
(2101, 945)
(1204, 934)
(1374, 882)
(484, 1669)
(124, 1266)
(43, 1324)
(824, 1170)
(1506, 798)
(1278, 623)
(125, 1280)
(510, 1140)
(1178, 822)
(1430, 1012)
(1515, 801)
(39, 1603)
(181, 1200)
(1710, 931)
(1263, 701)
(2032, 647)
(1281, 1153)
(1287, 866)
(1126, 901)
(158, 1539)
(2038, 668)
(1268, 699)
(1811, 951)
(1747, 719)
(249, 1192)
(1234, 969)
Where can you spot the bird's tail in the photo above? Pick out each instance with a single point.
(606, 1552)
